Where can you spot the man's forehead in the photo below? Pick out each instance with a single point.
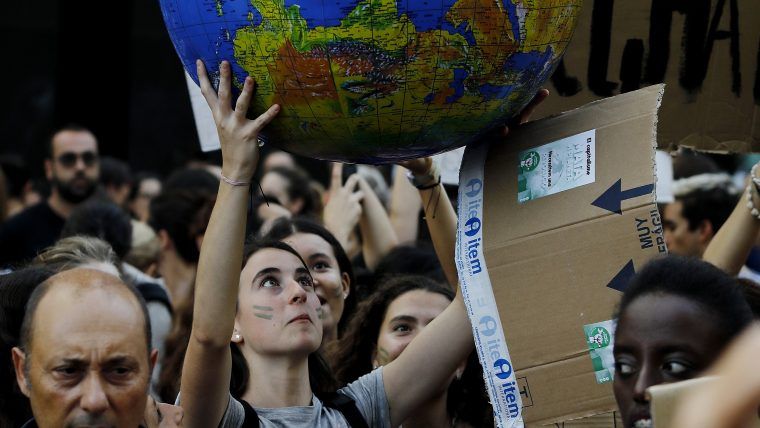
(74, 141)
(83, 319)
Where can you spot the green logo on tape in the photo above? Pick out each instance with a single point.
(529, 161)
(598, 337)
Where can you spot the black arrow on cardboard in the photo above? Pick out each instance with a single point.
(612, 197)
(621, 280)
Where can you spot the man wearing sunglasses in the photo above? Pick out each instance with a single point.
(72, 168)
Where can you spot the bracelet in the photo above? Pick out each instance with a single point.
(232, 182)
(427, 181)
(750, 204)
(755, 179)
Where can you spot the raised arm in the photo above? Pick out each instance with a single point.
(404, 207)
(427, 364)
(731, 246)
(439, 213)
(207, 365)
(378, 236)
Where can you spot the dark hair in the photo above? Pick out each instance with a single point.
(751, 291)
(138, 179)
(696, 280)
(175, 348)
(27, 325)
(688, 163)
(114, 172)
(15, 290)
(284, 227)
(298, 187)
(184, 215)
(417, 258)
(320, 376)
(71, 127)
(713, 205)
(101, 219)
(16, 174)
(352, 353)
(194, 180)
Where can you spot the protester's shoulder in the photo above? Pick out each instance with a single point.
(368, 393)
(30, 216)
(234, 416)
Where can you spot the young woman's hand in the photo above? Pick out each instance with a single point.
(343, 208)
(237, 134)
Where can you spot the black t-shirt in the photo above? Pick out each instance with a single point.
(28, 232)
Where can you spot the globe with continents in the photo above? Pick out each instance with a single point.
(378, 81)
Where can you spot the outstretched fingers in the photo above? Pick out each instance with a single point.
(206, 89)
(244, 100)
(263, 120)
(225, 87)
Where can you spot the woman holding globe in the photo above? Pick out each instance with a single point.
(270, 311)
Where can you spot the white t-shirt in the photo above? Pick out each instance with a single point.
(368, 392)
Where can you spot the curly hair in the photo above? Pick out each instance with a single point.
(351, 355)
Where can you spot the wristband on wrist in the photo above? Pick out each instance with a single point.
(234, 183)
(426, 181)
(756, 184)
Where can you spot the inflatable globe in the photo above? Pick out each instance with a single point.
(378, 81)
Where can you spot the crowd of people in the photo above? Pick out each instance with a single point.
(207, 298)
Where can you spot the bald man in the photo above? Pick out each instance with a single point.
(85, 355)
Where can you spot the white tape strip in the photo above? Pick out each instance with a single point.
(478, 295)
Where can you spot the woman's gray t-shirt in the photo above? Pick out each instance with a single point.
(368, 392)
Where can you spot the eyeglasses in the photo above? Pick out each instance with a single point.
(69, 159)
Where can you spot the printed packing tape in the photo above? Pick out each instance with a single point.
(490, 344)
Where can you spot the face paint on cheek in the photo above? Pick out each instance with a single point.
(338, 292)
(321, 313)
(263, 315)
(382, 356)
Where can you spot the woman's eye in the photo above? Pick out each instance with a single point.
(306, 282)
(402, 328)
(676, 368)
(269, 283)
(320, 266)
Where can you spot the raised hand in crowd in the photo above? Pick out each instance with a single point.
(439, 213)
(378, 236)
(731, 245)
(343, 208)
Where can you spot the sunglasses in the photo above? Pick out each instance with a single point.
(69, 159)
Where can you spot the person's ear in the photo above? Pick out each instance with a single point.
(164, 240)
(19, 360)
(153, 359)
(706, 231)
(49, 169)
(375, 363)
(345, 282)
(236, 337)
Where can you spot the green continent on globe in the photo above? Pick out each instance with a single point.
(383, 84)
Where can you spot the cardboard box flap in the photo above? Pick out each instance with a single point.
(616, 159)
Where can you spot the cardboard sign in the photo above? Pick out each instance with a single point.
(535, 273)
(706, 51)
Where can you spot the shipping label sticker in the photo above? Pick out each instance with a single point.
(600, 338)
(557, 166)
